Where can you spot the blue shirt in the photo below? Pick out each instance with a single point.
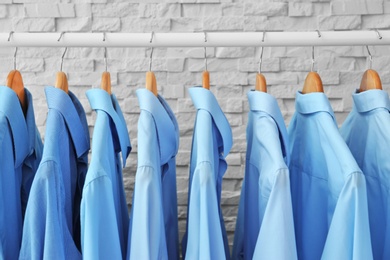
(52, 222)
(104, 214)
(205, 236)
(153, 232)
(265, 225)
(366, 132)
(21, 151)
(328, 189)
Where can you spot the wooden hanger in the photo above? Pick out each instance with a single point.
(15, 82)
(313, 82)
(61, 78)
(206, 80)
(261, 83)
(370, 79)
(106, 77)
(151, 82)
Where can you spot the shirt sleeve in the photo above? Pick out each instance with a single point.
(276, 238)
(99, 229)
(45, 235)
(147, 232)
(349, 233)
(238, 245)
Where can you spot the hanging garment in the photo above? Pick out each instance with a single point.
(52, 222)
(366, 131)
(153, 232)
(328, 188)
(104, 214)
(21, 151)
(205, 236)
(265, 225)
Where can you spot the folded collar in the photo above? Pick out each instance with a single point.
(371, 99)
(101, 100)
(264, 102)
(73, 113)
(166, 125)
(10, 107)
(204, 99)
(312, 103)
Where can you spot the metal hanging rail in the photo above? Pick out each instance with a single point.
(196, 39)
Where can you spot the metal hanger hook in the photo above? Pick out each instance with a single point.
(62, 58)
(16, 50)
(370, 57)
(261, 53)
(10, 34)
(379, 35)
(319, 33)
(312, 58)
(105, 51)
(59, 38)
(151, 52)
(205, 51)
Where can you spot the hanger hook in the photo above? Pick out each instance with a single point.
(312, 58)
(205, 51)
(10, 34)
(379, 35)
(62, 33)
(369, 56)
(151, 52)
(105, 51)
(319, 33)
(62, 58)
(261, 52)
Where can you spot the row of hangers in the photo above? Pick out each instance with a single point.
(313, 82)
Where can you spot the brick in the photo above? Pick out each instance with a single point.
(88, 78)
(234, 52)
(235, 9)
(186, 24)
(74, 24)
(223, 23)
(3, 11)
(232, 105)
(350, 22)
(197, 65)
(33, 24)
(283, 78)
(15, 10)
(376, 21)
(356, 7)
(145, 25)
(329, 77)
(255, 23)
(199, 52)
(300, 9)
(295, 64)
(169, 10)
(49, 10)
(225, 78)
(266, 9)
(186, 78)
(103, 24)
(115, 10)
(201, 10)
(173, 91)
(175, 64)
(5, 1)
(83, 10)
(284, 23)
(252, 65)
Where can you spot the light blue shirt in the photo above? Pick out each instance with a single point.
(104, 214)
(328, 189)
(21, 151)
(153, 232)
(205, 236)
(265, 225)
(367, 133)
(52, 222)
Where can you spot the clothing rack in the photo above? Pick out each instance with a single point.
(196, 39)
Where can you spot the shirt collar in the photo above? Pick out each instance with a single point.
(204, 99)
(369, 100)
(17, 122)
(312, 103)
(73, 113)
(264, 102)
(166, 125)
(101, 100)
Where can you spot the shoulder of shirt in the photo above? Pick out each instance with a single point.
(47, 169)
(95, 174)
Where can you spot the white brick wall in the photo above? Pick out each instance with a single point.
(232, 70)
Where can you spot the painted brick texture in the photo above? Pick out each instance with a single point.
(232, 70)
